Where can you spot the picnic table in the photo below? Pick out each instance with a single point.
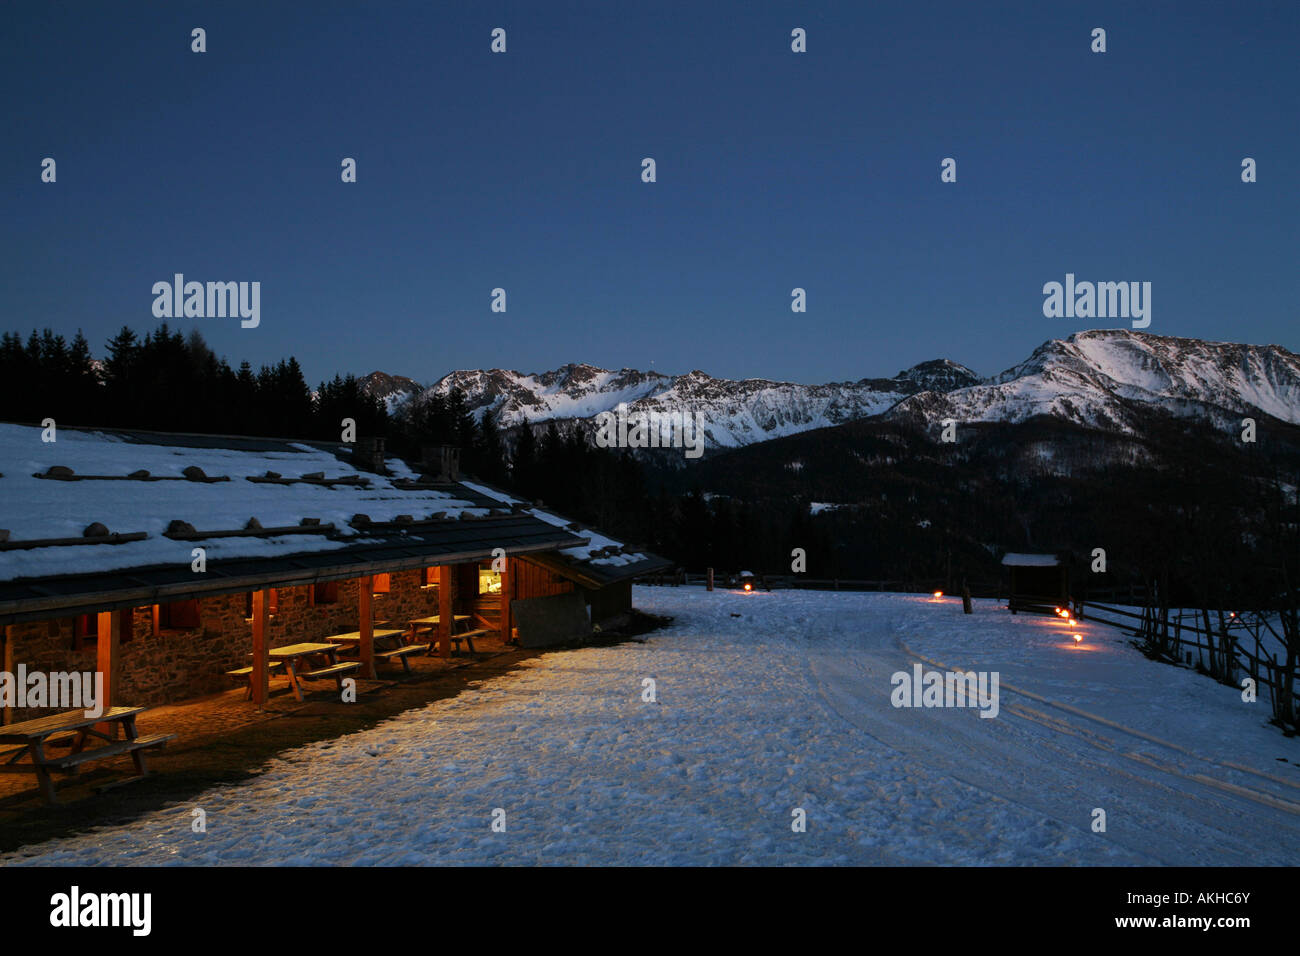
(421, 623)
(354, 637)
(382, 635)
(430, 625)
(295, 656)
(246, 673)
(33, 735)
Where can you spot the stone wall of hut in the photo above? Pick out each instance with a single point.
(166, 665)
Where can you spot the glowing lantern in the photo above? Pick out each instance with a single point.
(748, 586)
(938, 594)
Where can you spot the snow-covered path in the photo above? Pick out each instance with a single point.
(768, 702)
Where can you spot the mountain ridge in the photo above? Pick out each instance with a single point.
(1100, 378)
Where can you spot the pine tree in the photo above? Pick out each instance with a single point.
(84, 386)
(120, 377)
(490, 454)
(523, 463)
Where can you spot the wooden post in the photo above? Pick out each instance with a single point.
(708, 580)
(109, 628)
(507, 592)
(261, 661)
(965, 598)
(7, 715)
(444, 609)
(365, 609)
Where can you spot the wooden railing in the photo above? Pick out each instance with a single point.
(1221, 652)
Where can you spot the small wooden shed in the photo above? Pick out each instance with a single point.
(1039, 582)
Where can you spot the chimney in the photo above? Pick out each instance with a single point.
(368, 454)
(442, 462)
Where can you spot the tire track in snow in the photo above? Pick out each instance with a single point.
(928, 741)
(1274, 801)
(1211, 813)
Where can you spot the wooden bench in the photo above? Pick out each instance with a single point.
(146, 742)
(401, 653)
(247, 672)
(333, 670)
(468, 638)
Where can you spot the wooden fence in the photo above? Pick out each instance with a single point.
(1223, 652)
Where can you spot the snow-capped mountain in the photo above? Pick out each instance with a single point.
(392, 390)
(1108, 378)
(1111, 378)
(734, 412)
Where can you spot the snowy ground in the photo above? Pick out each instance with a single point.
(768, 702)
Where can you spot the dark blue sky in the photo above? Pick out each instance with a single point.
(775, 170)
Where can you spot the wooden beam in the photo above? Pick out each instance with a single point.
(444, 609)
(109, 628)
(261, 660)
(365, 611)
(507, 592)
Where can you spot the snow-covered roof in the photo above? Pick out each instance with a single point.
(160, 496)
(1031, 560)
(603, 557)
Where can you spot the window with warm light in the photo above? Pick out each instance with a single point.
(489, 581)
